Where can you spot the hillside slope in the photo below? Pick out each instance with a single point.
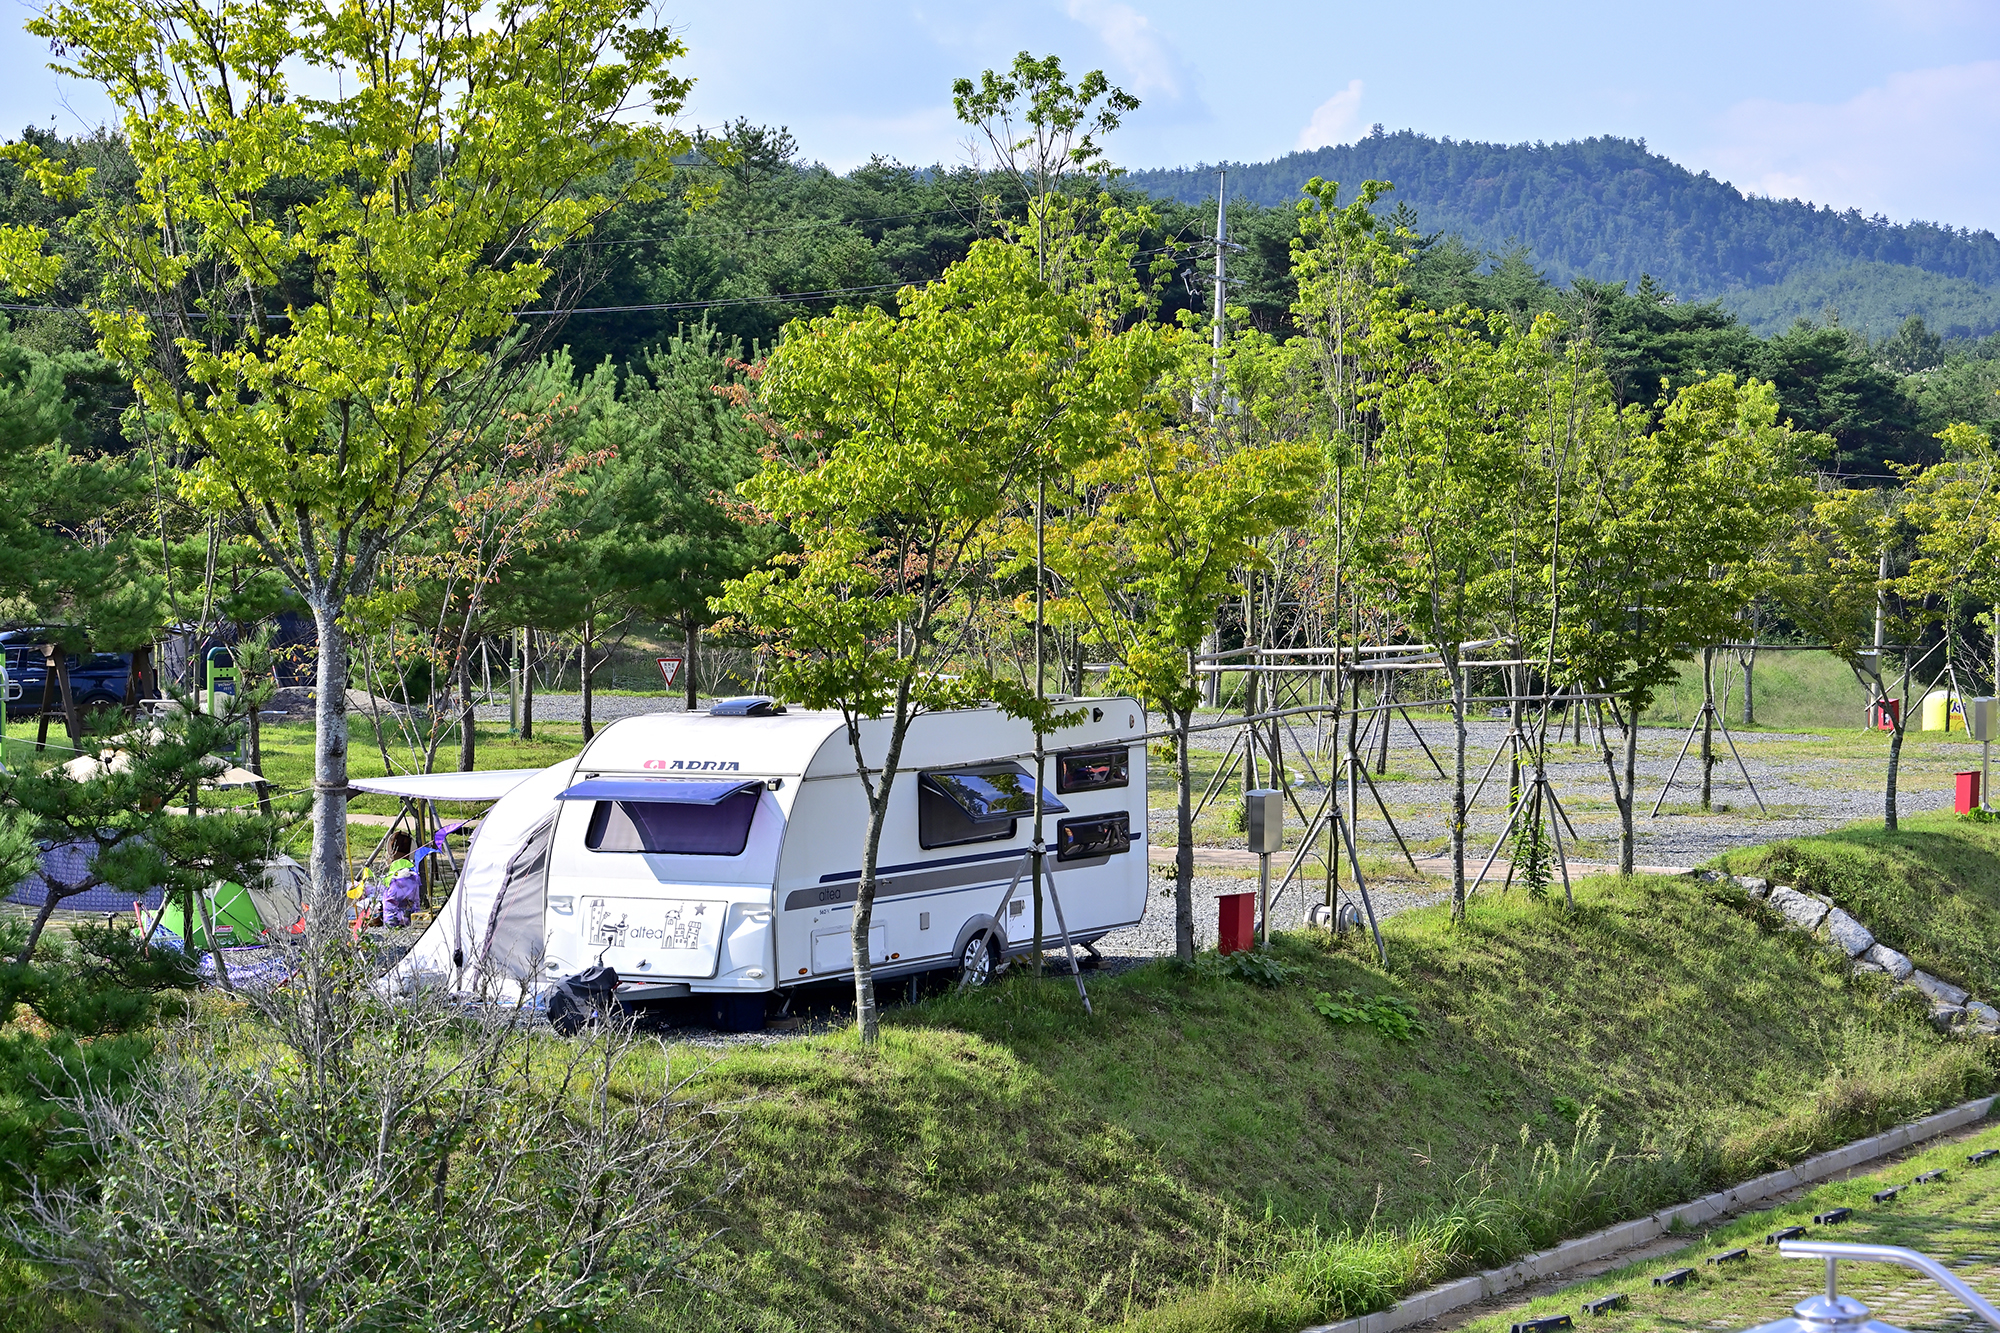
(1610, 210)
(1208, 1152)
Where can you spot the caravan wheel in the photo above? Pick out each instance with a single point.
(979, 963)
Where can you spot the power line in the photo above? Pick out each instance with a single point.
(775, 297)
(757, 231)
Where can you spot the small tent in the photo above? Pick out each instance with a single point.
(242, 914)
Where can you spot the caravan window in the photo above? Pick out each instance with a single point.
(672, 828)
(956, 806)
(1093, 770)
(1093, 835)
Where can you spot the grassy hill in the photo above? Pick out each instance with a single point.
(1261, 1148)
(1610, 210)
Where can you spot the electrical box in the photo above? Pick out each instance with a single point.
(1264, 817)
(1983, 719)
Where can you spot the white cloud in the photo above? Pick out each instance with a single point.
(1148, 63)
(1333, 118)
(1923, 144)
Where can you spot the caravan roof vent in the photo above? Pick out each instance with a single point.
(748, 705)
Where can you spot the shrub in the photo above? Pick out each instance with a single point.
(337, 1160)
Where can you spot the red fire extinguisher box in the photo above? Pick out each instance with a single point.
(1885, 712)
(1236, 922)
(1968, 792)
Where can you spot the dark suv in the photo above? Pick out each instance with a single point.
(96, 679)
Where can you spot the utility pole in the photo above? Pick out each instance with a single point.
(1221, 297)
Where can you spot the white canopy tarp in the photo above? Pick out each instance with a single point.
(488, 785)
(450, 953)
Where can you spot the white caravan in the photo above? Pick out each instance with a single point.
(718, 854)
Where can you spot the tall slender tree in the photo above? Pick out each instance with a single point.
(312, 289)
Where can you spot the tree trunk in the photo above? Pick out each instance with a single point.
(1184, 842)
(867, 1018)
(1895, 763)
(583, 668)
(214, 941)
(528, 685)
(329, 803)
(468, 729)
(256, 764)
(692, 633)
(49, 901)
(1749, 699)
(1457, 672)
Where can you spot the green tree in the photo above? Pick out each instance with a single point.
(1147, 566)
(1434, 539)
(1669, 539)
(905, 436)
(309, 289)
(1830, 385)
(684, 443)
(1043, 130)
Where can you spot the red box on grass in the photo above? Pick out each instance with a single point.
(1236, 922)
(1968, 793)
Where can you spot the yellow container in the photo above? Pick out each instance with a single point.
(1942, 711)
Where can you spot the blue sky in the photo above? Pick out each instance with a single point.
(1891, 106)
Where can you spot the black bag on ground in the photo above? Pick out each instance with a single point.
(582, 998)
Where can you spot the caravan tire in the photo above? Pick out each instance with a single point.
(978, 961)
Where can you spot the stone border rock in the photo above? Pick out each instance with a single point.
(1548, 1263)
(1953, 1010)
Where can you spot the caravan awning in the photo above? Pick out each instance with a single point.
(488, 785)
(669, 791)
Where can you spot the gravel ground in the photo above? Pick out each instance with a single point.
(603, 707)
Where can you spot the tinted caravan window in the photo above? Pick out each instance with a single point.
(981, 804)
(1093, 770)
(1093, 835)
(671, 828)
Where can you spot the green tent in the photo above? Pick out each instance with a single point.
(241, 915)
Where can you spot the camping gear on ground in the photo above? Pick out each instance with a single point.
(710, 860)
(577, 1001)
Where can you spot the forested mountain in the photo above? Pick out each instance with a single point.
(1610, 210)
(774, 238)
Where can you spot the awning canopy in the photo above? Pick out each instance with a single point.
(670, 791)
(488, 785)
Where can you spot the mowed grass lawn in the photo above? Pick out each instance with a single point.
(1955, 1220)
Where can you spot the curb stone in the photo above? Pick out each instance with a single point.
(1553, 1262)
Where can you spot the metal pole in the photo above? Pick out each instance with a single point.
(1263, 898)
(514, 685)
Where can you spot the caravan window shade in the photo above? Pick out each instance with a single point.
(673, 828)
